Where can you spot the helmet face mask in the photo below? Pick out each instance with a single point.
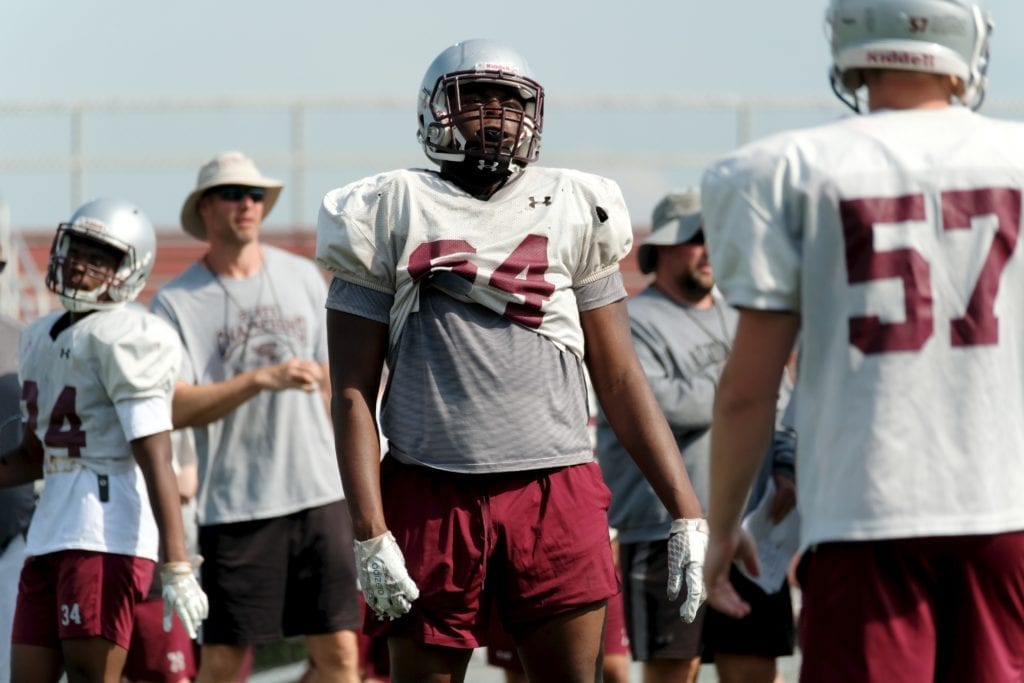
(930, 36)
(455, 123)
(107, 243)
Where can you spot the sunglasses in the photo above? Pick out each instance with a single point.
(696, 239)
(235, 193)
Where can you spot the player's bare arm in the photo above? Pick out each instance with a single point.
(181, 591)
(747, 395)
(195, 405)
(357, 347)
(635, 416)
(621, 387)
(153, 454)
(324, 386)
(23, 463)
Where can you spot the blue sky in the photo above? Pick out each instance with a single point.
(65, 51)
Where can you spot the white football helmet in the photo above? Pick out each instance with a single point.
(933, 36)
(116, 224)
(472, 61)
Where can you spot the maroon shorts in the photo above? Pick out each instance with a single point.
(154, 655)
(501, 648)
(79, 594)
(374, 657)
(910, 610)
(533, 544)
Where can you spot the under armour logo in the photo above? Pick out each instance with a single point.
(65, 353)
(534, 202)
(491, 166)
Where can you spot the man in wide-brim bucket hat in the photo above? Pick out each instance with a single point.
(226, 170)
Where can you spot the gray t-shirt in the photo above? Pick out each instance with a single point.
(16, 503)
(682, 350)
(469, 391)
(274, 454)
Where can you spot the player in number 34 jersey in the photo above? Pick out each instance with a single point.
(75, 388)
(96, 383)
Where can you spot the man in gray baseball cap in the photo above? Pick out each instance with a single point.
(682, 331)
(676, 220)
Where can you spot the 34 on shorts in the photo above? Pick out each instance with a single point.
(278, 577)
(652, 621)
(532, 544)
(156, 656)
(768, 631)
(79, 594)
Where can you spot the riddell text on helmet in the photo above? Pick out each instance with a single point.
(900, 57)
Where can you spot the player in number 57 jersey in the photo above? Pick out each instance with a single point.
(891, 242)
(96, 383)
(490, 287)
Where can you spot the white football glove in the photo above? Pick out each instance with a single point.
(687, 545)
(386, 585)
(183, 595)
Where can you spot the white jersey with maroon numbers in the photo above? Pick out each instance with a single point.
(519, 253)
(95, 495)
(895, 236)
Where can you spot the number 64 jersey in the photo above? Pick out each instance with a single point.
(896, 237)
(103, 381)
(519, 253)
(482, 300)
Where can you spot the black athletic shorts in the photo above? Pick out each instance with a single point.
(278, 577)
(768, 631)
(652, 621)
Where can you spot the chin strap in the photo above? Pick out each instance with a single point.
(849, 99)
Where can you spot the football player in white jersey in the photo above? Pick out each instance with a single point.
(890, 242)
(481, 285)
(96, 388)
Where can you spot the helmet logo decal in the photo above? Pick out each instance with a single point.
(87, 223)
(500, 68)
(917, 24)
(890, 57)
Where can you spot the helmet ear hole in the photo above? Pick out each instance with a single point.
(435, 134)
